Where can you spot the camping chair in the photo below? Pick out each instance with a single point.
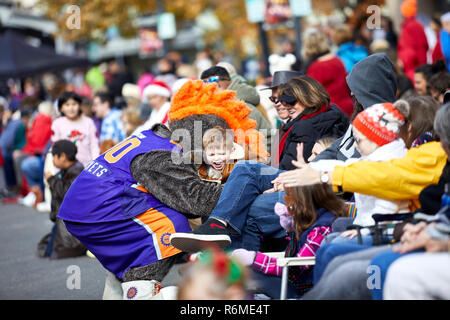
(285, 263)
(379, 229)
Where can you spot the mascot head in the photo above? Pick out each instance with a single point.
(197, 107)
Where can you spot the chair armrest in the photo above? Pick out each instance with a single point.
(391, 217)
(277, 255)
(296, 261)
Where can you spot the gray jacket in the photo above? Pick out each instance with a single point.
(250, 96)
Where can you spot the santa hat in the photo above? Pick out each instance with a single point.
(379, 123)
(409, 8)
(158, 88)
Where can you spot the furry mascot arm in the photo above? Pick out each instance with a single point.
(176, 185)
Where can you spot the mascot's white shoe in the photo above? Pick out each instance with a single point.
(140, 289)
(167, 293)
(113, 288)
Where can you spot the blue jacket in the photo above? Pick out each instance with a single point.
(8, 136)
(351, 54)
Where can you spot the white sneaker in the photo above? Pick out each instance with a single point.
(43, 207)
(167, 293)
(28, 200)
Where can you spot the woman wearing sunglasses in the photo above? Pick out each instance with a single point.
(312, 117)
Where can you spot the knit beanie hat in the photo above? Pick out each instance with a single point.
(379, 123)
(409, 8)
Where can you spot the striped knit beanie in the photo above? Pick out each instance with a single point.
(379, 123)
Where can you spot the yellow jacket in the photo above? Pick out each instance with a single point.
(398, 179)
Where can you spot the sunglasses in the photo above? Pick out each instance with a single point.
(285, 101)
(214, 79)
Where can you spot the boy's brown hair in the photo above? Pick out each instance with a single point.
(218, 137)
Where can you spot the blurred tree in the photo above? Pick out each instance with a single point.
(95, 16)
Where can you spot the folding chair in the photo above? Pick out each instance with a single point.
(285, 263)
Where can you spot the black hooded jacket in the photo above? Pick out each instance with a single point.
(332, 122)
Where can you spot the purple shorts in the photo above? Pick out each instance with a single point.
(136, 242)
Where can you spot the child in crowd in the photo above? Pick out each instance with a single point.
(60, 243)
(29, 160)
(214, 276)
(76, 127)
(107, 144)
(131, 121)
(220, 154)
(307, 217)
(376, 134)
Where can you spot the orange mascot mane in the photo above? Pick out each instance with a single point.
(197, 98)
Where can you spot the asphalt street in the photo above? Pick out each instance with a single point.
(25, 276)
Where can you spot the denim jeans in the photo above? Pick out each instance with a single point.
(248, 211)
(32, 168)
(368, 240)
(8, 169)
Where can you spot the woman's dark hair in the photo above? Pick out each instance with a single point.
(428, 70)
(437, 20)
(439, 82)
(307, 91)
(303, 203)
(422, 111)
(66, 96)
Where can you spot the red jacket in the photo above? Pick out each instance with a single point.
(437, 51)
(331, 74)
(412, 46)
(38, 135)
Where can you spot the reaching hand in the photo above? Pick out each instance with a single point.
(415, 237)
(276, 187)
(299, 177)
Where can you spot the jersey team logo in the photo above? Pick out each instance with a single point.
(132, 292)
(165, 239)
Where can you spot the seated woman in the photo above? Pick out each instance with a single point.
(307, 218)
(313, 118)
